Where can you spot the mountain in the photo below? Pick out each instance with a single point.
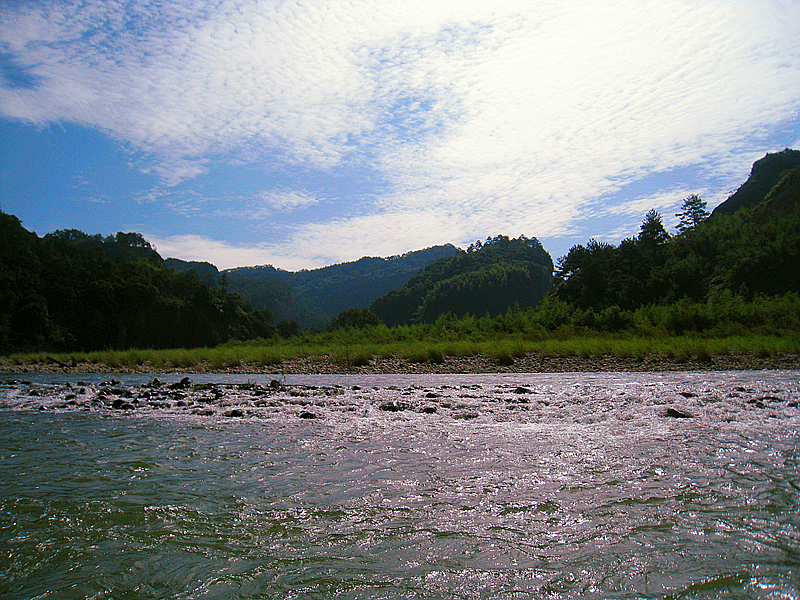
(312, 297)
(488, 278)
(750, 252)
(764, 175)
(202, 269)
(781, 200)
(72, 291)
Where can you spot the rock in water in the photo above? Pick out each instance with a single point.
(679, 414)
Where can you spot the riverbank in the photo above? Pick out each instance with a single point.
(528, 363)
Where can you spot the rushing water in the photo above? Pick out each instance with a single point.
(457, 487)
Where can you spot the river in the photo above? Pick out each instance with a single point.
(515, 486)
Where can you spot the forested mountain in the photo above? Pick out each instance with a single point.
(312, 297)
(73, 291)
(203, 269)
(488, 278)
(765, 174)
(752, 251)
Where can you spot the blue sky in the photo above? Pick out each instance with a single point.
(302, 134)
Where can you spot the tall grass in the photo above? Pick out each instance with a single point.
(763, 327)
(504, 350)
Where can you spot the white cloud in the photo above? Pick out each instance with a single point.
(286, 200)
(484, 117)
(221, 254)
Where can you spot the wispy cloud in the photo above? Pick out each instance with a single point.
(508, 116)
(202, 248)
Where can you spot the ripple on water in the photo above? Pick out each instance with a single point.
(563, 489)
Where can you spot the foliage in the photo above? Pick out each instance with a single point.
(312, 297)
(724, 323)
(72, 290)
(652, 232)
(693, 212)
(765, 174)
(354, 318)
(487, 279)
(733, 253)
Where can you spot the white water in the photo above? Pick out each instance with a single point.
(578, 486)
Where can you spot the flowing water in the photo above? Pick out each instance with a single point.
(672, 485)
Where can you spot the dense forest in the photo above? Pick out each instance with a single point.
(734, 271)
(72, 291)
(752, 250)
(312, 297)
(727, 258)
(488, 278)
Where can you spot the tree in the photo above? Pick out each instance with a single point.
(652, 231)
(354, 318)
(692, 214)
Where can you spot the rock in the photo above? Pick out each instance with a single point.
(431, 395)
(307, 415)
(120, 404)
(428, 410)
(522, 390)
(688, 395)
(466, 415)
(394, 406)
(771, 399)
(679, 414)
(233, 413)
(182, 384)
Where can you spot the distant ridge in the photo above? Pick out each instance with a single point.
(312, 297)
(203, 269)
(782, 199)
(765, 174)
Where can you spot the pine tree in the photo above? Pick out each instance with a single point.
(693, 213)
(652, 229)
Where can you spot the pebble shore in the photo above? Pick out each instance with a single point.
(530, 363)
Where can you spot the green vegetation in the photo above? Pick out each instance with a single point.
(73, 291)
(726, 283)
(764, 327)
(486, 279)
(312, 297)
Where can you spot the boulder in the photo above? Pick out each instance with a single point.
(679, 413)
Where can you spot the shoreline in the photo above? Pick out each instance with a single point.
(530, 363)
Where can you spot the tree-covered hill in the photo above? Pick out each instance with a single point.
(312, 297)
(488, 278)
(72, 291)
(765, 174)
(203, 269)
(754, 251)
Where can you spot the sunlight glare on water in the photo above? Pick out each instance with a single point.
(577, 486)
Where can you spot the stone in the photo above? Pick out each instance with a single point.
(679, 414)
(393, 406)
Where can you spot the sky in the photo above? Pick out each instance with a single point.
(303, 134)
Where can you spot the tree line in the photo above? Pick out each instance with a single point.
(727, 252)
(487, 279)
(73, 291)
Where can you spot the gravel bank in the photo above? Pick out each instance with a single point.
(531, 363)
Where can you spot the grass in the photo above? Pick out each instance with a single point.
(360, 348)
